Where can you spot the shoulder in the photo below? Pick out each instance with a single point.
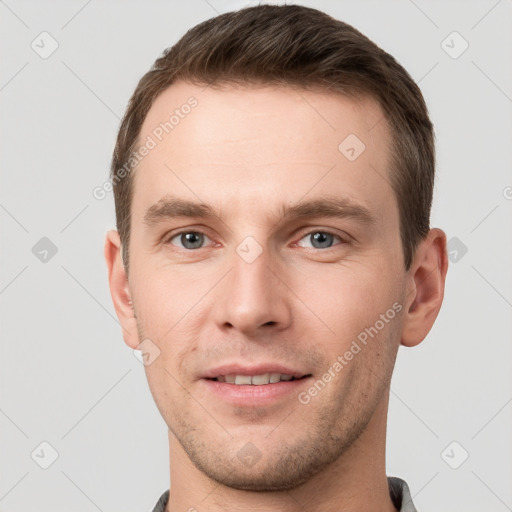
(162, 502)
(400, 494)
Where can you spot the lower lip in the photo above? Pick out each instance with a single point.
(249, 395)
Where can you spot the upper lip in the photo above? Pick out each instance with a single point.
(259, 369)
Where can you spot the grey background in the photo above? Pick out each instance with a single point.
(66, 376)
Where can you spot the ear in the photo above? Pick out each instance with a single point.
(426, 279)
(119, 289)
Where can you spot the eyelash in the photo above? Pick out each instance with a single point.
(309, 233)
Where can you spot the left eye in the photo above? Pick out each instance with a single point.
(321, 239)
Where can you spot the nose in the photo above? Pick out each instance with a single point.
(253, 298)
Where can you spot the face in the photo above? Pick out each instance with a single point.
(294, 267)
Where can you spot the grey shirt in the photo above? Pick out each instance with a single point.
(398, 490)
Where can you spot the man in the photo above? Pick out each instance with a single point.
(273, 180)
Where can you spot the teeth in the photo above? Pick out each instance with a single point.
(258, 380)
(255, 380)
(242, 379)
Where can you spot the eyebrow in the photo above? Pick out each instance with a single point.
(332, 207)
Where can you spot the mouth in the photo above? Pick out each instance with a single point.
(257, 380)
(256, 387)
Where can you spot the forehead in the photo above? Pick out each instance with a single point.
(247, 145)
(300, 114)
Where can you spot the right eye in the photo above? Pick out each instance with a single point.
(189, 240)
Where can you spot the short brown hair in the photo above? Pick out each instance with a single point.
(296, 46)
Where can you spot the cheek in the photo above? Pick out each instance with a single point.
(171, 308)
(166, 298)
(344, 299)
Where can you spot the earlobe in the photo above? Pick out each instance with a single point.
(427, 277)
(119, 288)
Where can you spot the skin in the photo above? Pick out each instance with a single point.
(247, 151)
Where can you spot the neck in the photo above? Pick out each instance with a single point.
(355, 481)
